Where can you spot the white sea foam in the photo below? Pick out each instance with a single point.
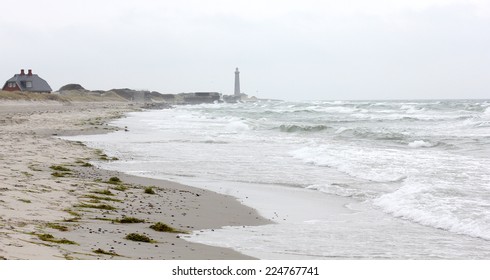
(420, 144)
(341, 110)
(341, 129)
(343, 190)
(487, 111)
(372, 165)
(424, 204)
(407, 107)
(237, 125)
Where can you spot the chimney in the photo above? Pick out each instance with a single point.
(22, 73)
(29, 72)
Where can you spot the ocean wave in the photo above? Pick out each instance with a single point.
(342, 129)
(482, 124)
(365, 133)
(183, 141)
(314, 110)
(302, 128)
(411, 109)
(344, 191)
(380, 135)
(476, 121)
(438, 207)
(212, 141)
(287, 111)
(421, 144)
(335, 109)
(487, 112)
(372, 165)
(237, 125)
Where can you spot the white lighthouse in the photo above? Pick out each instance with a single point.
(237, 82)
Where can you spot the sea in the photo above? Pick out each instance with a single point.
(405, 179)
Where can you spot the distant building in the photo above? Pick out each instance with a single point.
(237, 82)
(201, 97)
(26, 82)
(237, 95)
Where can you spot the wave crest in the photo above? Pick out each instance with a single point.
(423, 204)
(302, 128)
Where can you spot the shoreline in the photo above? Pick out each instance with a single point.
(311, 224)
(43, 210)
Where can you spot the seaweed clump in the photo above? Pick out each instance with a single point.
(149, 190)
(138, 237)
(50, 238)
(165, 228)
(130, 220)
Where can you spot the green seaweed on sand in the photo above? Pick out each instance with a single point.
(96, 206)
(71, 220)
(165, 228)
(34, 167)
(103, 252)
(114, 181)
(83, 163)
(139, 238)
(149, 190)
(27, 174)
(58, 174)
(101, 154)
(73, 213)
(129, 220)
(101, 198)
(59, 168)
(120, 188)
(57, 226)
(50, 238)
(104, 192)
(76, 216)
(80, 143)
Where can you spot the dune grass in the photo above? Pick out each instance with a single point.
(31, 96)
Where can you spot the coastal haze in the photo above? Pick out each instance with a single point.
(290, 50)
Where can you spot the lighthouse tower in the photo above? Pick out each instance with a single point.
(237, 82)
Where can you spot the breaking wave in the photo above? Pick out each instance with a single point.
(302, 128)
(430, 205)
(420, 144)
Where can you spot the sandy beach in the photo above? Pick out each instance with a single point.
(55, 205)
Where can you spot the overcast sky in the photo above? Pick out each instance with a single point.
(294, 50)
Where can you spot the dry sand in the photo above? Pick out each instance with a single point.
(38, 202)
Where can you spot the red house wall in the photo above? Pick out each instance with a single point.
(6, 88)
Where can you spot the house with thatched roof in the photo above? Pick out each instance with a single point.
(27, 82)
